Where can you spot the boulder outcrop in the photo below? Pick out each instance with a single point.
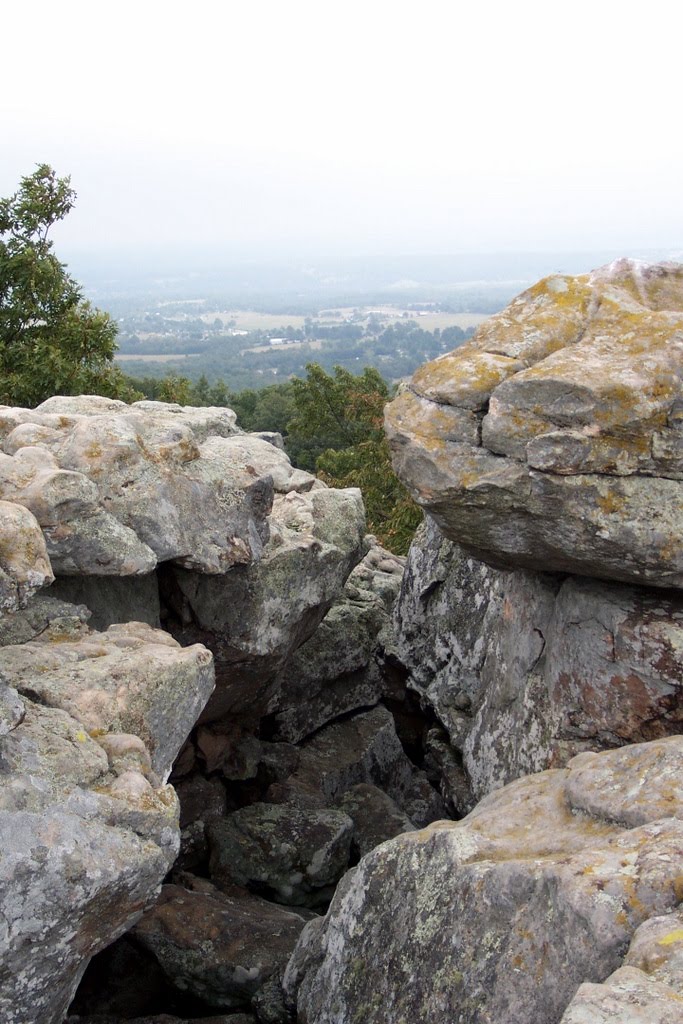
(501, 916)
(91, 724)
(151, 513)
(523, 670)
(553, 441)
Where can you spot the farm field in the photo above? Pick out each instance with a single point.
(249, 320)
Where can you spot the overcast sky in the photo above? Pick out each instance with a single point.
(263, 126)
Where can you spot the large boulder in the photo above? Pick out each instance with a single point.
(24, 562)
(501, 916)
(553, 440)
(89, 727)
(255, 616)
(523, 670)
(220, 948)
(648, 989)
(118, 488)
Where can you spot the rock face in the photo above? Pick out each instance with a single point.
(500, 917)
(523, 670)
(219, 947)
(648, 988)
(336, 670)
(90, 726)
(255, 616)
(553, 440)
(152, 513)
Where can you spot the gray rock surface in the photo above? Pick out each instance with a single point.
(293, 856)
(119, 488)
(221, 948)
(524, 669)
(131, 679)
(361, 748)
(336, 670)
(553, 440)
(89, 832)
(256, 615)
(24, 562)
(501, 916)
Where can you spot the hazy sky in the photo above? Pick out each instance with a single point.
(263, 126)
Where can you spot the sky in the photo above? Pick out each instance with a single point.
(258, 128)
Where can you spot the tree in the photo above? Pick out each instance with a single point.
(52, 341)
(337, 410)
(342, 417)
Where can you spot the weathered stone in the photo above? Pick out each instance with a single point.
(362, 748)
(24, 562)
(221, 948)
(523, 670)
(254, 616)
(88, 831)
(291, 855)
(502, 915)
(80, 535)
(579, 463)
(118, 488)
(131, 679)
(43, 614)
(336, 670)
(375, 816)
(84, 852)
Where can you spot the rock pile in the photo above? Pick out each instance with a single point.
(137, 517)
(540, 621)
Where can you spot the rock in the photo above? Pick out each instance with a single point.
(219, 948)
(375, 816)
(119, 488)
(647, 989)
(627, 997)
(523, 670)
(291, 855)
(552, 441)
(362, 748)
(89, 832)
(254, 616)
(131, 679)
(336, 670)
(43, 614)
(24, 562)
(503, 915)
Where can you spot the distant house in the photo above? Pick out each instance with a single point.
(278, 341)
